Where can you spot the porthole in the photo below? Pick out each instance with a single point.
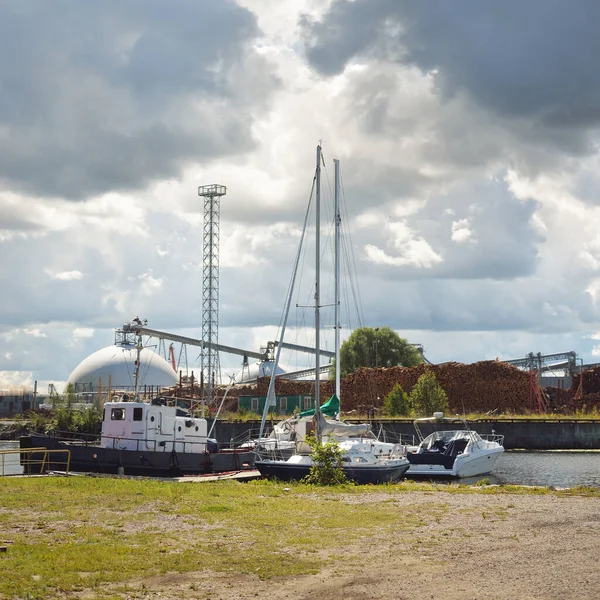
(152, 419)
(197, 427)
(179, 428)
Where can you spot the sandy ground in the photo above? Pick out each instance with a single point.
(501, 547)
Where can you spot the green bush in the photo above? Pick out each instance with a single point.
(327, 463)
(397, 402)
(428, 396)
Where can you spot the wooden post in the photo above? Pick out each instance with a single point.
(99, 400)
(109, 392)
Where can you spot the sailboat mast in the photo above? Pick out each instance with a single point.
(317, 291)
(338, 327)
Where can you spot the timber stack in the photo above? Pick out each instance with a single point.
(485, 386)
(479, 387)
(589, 380)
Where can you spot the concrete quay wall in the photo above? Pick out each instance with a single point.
(534, 434)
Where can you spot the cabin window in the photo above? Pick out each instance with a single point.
(307, 402)
(117, 414)
(254, 404)
(137, 413)
(283, 404)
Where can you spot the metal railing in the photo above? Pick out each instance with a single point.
(492, 437)
(31, 458)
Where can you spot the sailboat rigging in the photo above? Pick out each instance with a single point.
(365, 458)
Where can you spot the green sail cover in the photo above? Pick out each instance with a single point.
(330, 408)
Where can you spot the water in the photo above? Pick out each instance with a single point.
(560, 469)
(10, 462)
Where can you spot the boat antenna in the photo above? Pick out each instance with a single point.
(138, 349)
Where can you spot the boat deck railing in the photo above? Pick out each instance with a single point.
(138, 445)
(33, 460)
(492, 437)
(247, 436)
(386, 435)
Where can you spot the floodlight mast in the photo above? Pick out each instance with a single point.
(210, 365)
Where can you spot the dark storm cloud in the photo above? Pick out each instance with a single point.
(98, 96)
(535, 59)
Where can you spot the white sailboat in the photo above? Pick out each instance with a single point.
(365, 458)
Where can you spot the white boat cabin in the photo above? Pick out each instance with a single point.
(149, 426)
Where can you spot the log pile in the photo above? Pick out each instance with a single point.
(590, 381)
(478, 387)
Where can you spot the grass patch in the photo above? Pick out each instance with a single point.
(91, 535)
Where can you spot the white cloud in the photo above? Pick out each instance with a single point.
(15, 380)
(34, 332)
(416, 252)
(149, 283)
(68, 275)
(83, 332)
(461, 232)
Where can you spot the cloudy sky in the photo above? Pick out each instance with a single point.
(468, 134)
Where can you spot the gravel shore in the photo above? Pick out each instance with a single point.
(470, 546)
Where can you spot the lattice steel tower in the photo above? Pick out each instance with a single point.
(210, 365)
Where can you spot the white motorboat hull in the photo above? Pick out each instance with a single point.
(465, 465)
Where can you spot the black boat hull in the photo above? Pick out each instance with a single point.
(94, 459)
(362, 475)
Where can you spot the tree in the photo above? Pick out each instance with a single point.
(397, 402)
(428, 396)
(376, 347)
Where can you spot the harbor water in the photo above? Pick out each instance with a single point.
(561, 469)
(544, 468)
(9, 463)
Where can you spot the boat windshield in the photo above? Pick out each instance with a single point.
(439, 440)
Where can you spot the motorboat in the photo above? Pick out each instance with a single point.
(452, 451)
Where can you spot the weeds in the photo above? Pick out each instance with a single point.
(89, 535)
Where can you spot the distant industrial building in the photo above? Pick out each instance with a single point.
(285, 405)
(17, 402)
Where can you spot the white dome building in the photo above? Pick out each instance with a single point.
(257, 369)
(118, 363)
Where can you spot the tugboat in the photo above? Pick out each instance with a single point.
(144, 438)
